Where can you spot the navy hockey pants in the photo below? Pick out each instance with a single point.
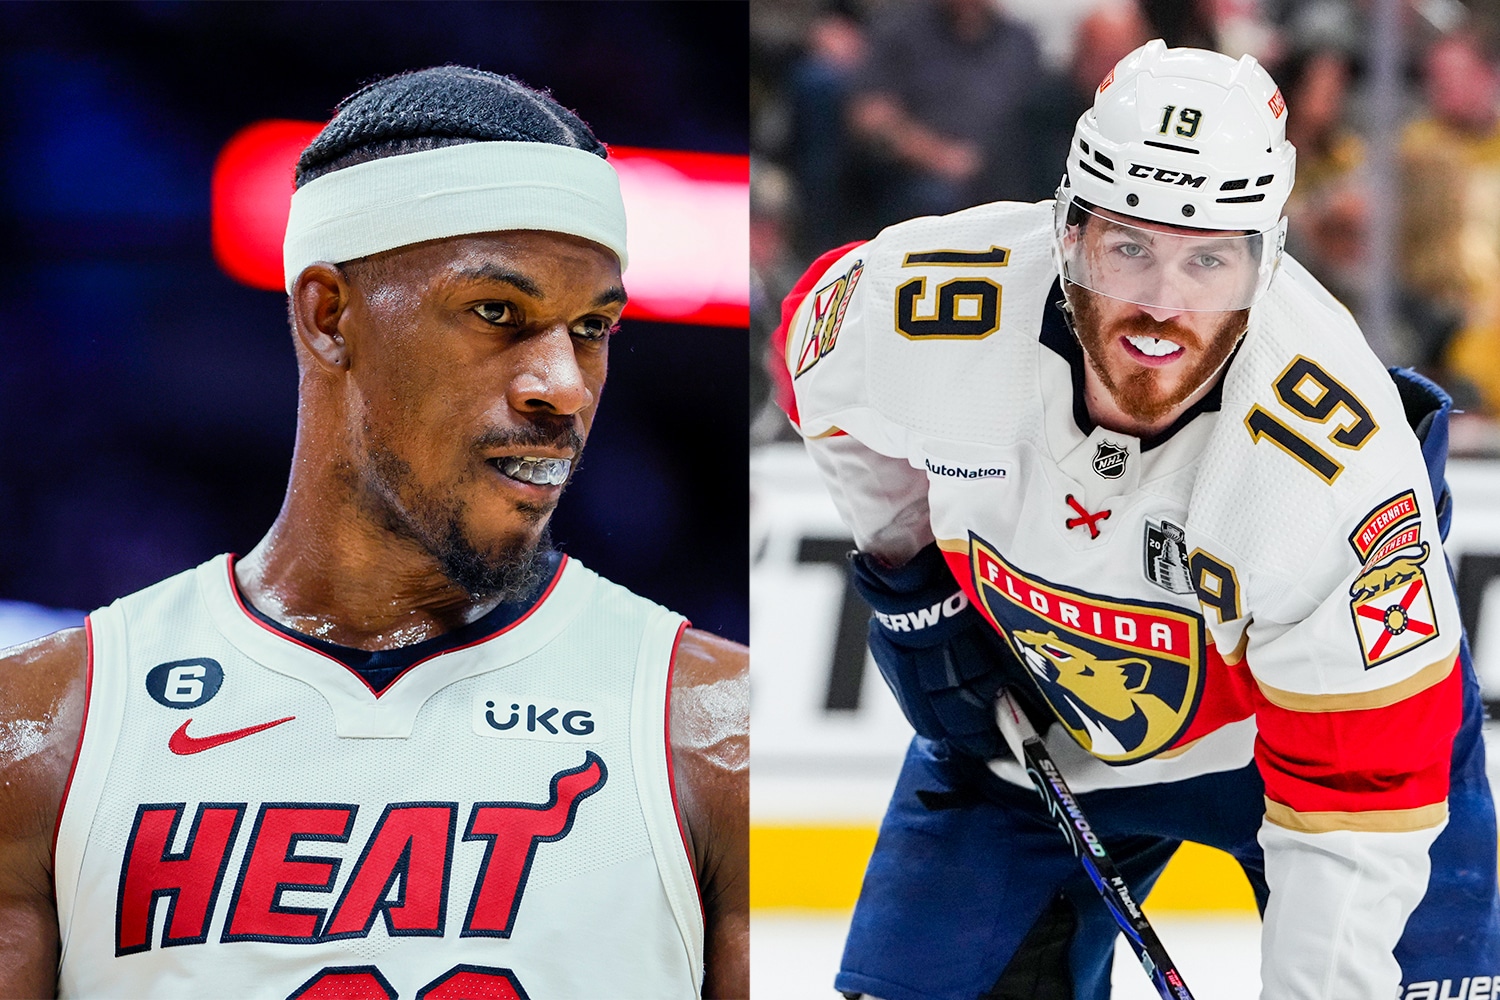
(966, 864)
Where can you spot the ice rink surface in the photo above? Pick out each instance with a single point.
(794, 957)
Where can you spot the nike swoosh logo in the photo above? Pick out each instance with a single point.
(181, 743)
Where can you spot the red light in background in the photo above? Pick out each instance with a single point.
(688, 216)
(251, 195)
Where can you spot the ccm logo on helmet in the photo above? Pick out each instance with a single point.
(1178, 177)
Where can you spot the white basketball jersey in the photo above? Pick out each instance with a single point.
(247, 817)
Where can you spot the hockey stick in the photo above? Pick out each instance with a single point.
(1062, 806)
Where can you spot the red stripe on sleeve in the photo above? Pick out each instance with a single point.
(1229, 695)
(776, 362)
(1395, 757)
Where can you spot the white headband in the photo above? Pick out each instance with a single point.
(474, 187)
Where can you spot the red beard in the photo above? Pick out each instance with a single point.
(1148, 394)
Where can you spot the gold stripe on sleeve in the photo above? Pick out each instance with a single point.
(1235, 655)
(1375, 821)
(1294, 701)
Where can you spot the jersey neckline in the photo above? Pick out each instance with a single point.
(380, 668)
(1058, 337)
(359, 709)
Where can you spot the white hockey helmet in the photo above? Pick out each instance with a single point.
(1185, 138)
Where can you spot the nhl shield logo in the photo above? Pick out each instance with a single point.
(1167, 556)
(1123, 678)
(1109, 460)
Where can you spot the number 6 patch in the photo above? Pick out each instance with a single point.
(1392, 605)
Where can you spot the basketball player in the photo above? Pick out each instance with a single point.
(403, 748)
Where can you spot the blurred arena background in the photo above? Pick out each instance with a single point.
(147, 398)
(867, 112)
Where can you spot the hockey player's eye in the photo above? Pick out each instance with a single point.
(1208, 260)
(1132, 251)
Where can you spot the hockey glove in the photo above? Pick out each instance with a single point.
(939, 656)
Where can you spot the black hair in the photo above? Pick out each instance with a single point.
(441, 106)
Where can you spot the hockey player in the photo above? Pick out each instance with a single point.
(1119, 454)
(402, 748)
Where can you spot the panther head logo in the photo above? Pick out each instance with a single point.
(1110, 697)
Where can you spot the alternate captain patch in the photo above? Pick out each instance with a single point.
(1109, 460)
(1167, 556)
(826, 315)
(1390, 601)
(1123, 678)
(1377, 525)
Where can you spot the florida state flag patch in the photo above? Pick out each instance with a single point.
(1391, 602)
(825, 316)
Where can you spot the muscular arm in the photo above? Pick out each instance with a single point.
(42, 702)
(711, 764)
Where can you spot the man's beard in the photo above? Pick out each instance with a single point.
(510, 571)
(1141, 394)
(512, 574)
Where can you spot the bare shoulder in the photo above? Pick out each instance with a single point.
(43, 688)
(43, 684)
(710, 729)
(711, 754)
(43, 696)
(703, 657)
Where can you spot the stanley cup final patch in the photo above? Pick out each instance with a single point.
(1391, 602)
(1167, 556)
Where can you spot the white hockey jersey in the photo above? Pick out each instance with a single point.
(247, 817)
(1264, 579)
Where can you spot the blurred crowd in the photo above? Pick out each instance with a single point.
(868, 112)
